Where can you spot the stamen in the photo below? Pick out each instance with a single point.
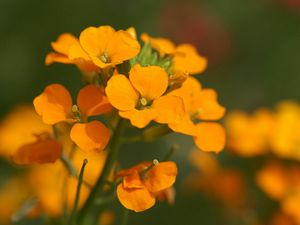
(143, 101)
(104, 57)
(75, 109)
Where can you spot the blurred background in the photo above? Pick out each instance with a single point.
(253, 50)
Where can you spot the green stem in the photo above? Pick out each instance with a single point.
(68, 164)
(101, 182)
(149, 134)
(125, 216)
(80, 180)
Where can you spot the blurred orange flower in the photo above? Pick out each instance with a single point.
(43, 150)
(282, 183)
(248, 135)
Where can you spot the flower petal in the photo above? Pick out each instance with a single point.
(210, 137)
(151, 81)
(120, 93)
(162, 45)
(92, 136)
(136, 199)
(94, 40)
(55, 57)
(206, 103)
(92, 101)
(77, 53)
(41, 151)
(64, 42)
(161, 176)
(139, 118)
(188, 60)
(184, 126)
(170, 109)
(132, 180)
(122, 47)
(54, 104)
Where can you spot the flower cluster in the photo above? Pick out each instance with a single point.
(148, 85)
(266, 131)
(281, 183)
(272, 133)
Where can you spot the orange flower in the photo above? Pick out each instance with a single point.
(61, 47)
(105, 46)
(55, 105)
(226, 185)
(185, 56)
(141, 97)
(43, 150)
(17, 127)
(272, 179)
(140, 183)
(163, 45)
(13, 193)
(282, 183)
(285, 140)
(248, 135)
(25, 139)
(61, 55)
(50, 182)
(166, 195)
(200, 104)
(187, 59)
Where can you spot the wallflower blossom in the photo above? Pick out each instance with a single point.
(54, 105)
(200, 104)
(185, 56)
(141, 97)
(266, 131)
(284, 140)
(44, 150)
(18, 127)
(151, 84)
(61, 49)
(25, 139)
(48, 182)
(282, 183)
(139, 185)
(13, 193)
(105, 46)
(248, 135)
(223, 184)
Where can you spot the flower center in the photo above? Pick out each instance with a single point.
(143, 102)
(104, 57)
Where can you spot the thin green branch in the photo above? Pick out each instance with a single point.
(80, 181)
(114, 146)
